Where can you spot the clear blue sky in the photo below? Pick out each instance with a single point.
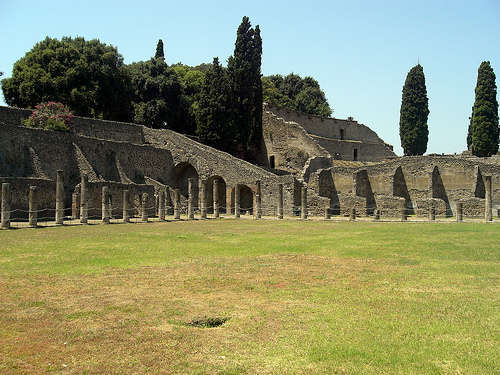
(359, 51)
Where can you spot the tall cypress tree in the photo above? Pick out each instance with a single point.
(484, 125)
(244, 69)
(413, 128)
(159, 50)
(214, 116)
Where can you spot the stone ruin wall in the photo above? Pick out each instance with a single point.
(162, 160)
(418, 180)
(292, 137)
(134, 156)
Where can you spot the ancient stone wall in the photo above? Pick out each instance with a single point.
(342, 139)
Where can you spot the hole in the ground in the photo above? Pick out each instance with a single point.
(208, 322)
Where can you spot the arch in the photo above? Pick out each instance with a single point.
(222, 194)
(326, 188)
(438, 189)
(246, 200)
(182, 172)
(400, 189)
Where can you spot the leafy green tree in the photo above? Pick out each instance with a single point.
(191, 80)
(159, 50)
(87, 76)
(484, 125)
(156, 94)
(244, 69)
(413, 128)
(469, 135)
(296, 93)
(214, 113)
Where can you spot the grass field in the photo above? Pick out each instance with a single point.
(301, 297)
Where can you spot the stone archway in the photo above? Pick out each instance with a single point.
(182, 173)
(221, 187)
(246, 200)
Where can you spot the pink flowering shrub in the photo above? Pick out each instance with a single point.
(50, 116)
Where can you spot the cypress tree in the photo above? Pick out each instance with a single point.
(159, 50)
(244, 69)
(484, 125)
(214, 115)
(413, 129)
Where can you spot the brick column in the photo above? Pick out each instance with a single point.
(144, 207)
(59, 198)
(216, 198)
(104, 205)
(6, 197)
(126, 209)
(376, 216)
(190, 212)
(258, 200)
(161, 204)
(84, 200)
(33, 207)
(432, 211)
(304, 202)
(237, 201)
(75, 209)
(460, 211)
(280, 201)
(328, 215)
(177, 204)
(352, 216)
(402, 209)
(487, 201)
(203, 198)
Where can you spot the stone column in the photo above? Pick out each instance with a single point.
(376, 215)
(6, 205)
(237, 201)
(75, 209)
(280, 201)
(126, 209)
(84, 200)
(328, 215)
(402, 209)
(258, 200)
(59, 198)
(203, 198)
(104, 200)
(177, 204)
(487, 201)
(216, 198)
(352, 216)
(459, 211)
(144, 207)
(33, 207)
(304, 202)
(190, 200)
(161, 204)
(432, 211)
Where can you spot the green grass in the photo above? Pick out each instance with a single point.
(302, 297)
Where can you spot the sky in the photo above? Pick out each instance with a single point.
(359, 51)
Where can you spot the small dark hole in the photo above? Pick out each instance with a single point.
(208, 322)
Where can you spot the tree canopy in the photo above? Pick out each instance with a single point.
(296, 93)
(214, 115)
(159, 50)
(87, 76)
(156, 94)
(484, 123)
(413, 128)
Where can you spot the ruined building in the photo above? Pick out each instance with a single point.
(341, 164)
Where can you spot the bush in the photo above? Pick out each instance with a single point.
(50, 116)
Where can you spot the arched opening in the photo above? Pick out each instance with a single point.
(221, 188)
(271, 161)
(246, 200)
(183, 172)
